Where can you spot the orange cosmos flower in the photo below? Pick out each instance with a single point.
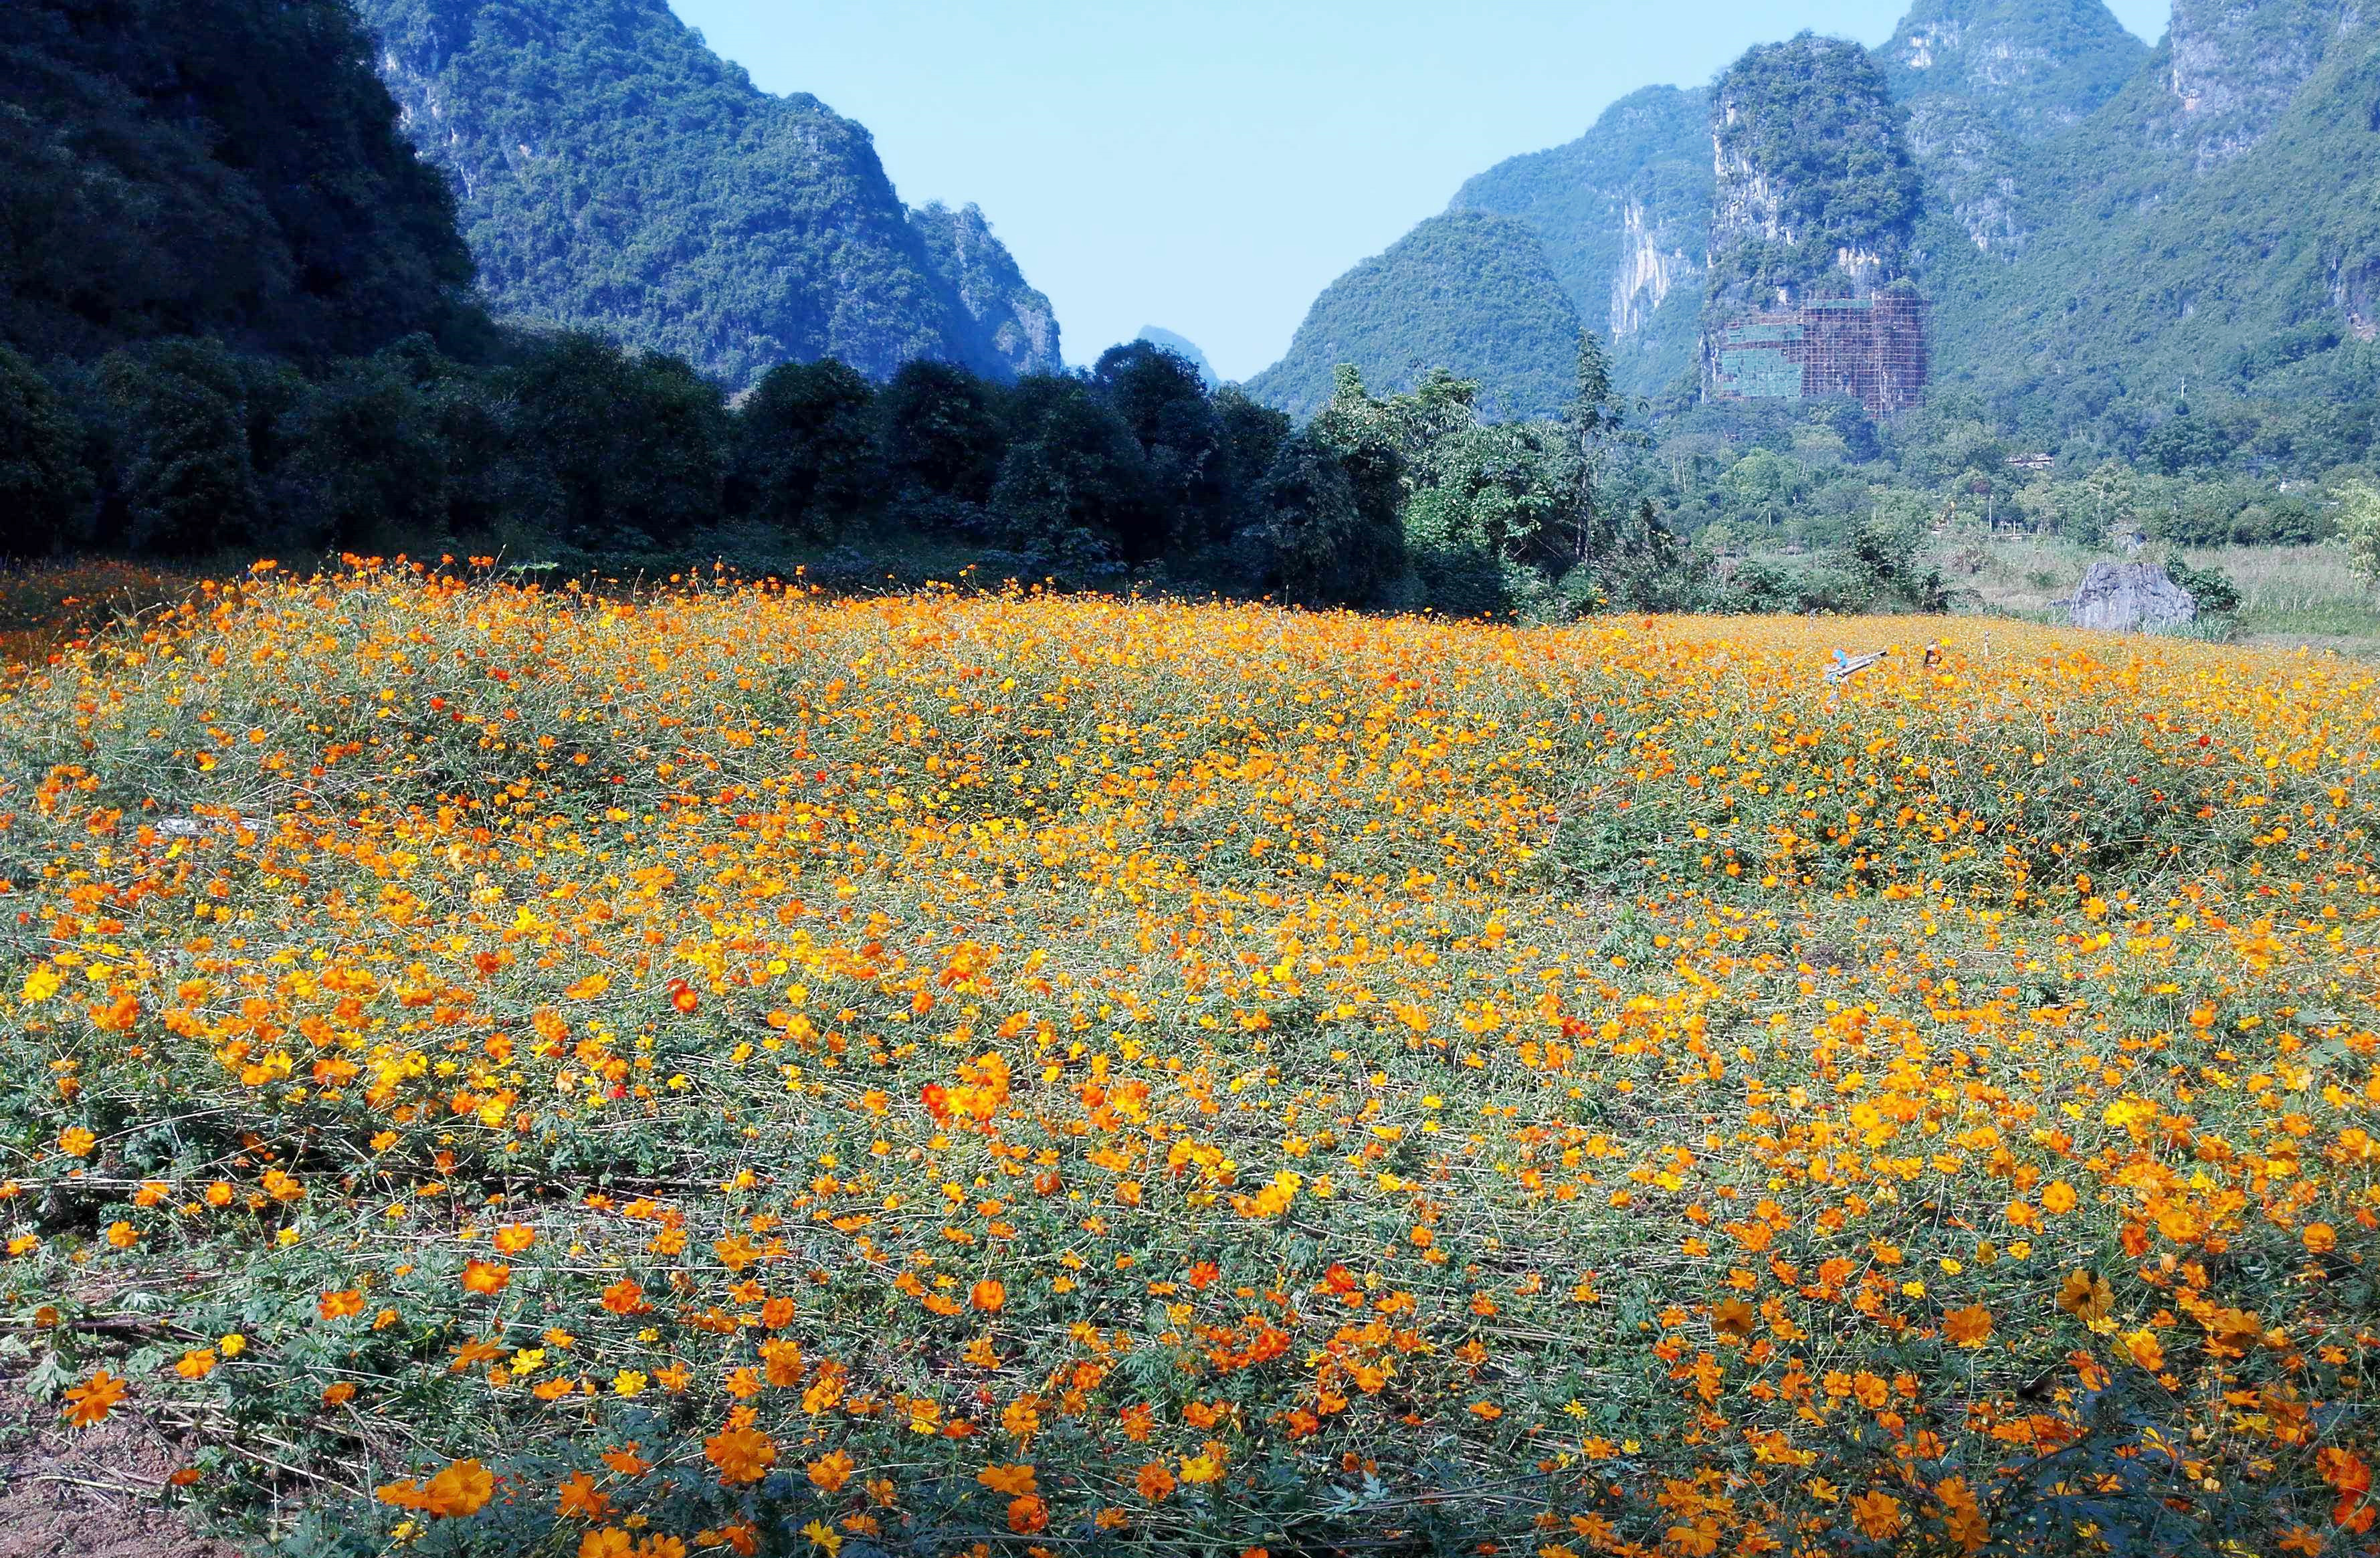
(1877, 1515)
(90, 1401)
(487, 1278)
(1016, 1481)
(1969, 1327)
(742, 1454)
(988, 1295)
(460, 1491)
(831, 1471)
(579, 1498)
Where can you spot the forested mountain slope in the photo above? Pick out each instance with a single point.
(1624, 214)
(1464, 291)
(226, 167)
(1986, 79)
(616, 175)
(2213, 223)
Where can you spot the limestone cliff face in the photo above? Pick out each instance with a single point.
(1815, 191)
(2235, 66)
(1747, 203)
(1983, 79)
(615, 174)
(1653, 263)
(1972, 170)
(1015, 319)
(1624, 214)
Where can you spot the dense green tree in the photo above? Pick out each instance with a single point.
(45, 490)
(1507, 490)
(1332, 534)
(1073, 480)
(942, 432)
(1250, 437)
(2184, 442)
(806, 457)
(184, 465)
(1597, 423)
(1164, 402)
(2359, 530)
(364, 463)
(619, 450)
(1764, 486)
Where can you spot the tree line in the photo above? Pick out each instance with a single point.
(570, 449)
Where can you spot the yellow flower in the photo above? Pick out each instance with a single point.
(1207, 1466)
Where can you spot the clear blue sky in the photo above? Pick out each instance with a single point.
(1209, 166)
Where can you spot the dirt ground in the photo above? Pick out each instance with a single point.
(93, 1493)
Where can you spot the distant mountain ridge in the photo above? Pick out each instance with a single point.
(615, 175)
(2095, 220)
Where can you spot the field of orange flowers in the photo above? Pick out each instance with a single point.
(718, 1069)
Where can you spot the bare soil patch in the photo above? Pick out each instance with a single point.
(96, 1492)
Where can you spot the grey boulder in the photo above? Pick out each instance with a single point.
(2130, 598)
